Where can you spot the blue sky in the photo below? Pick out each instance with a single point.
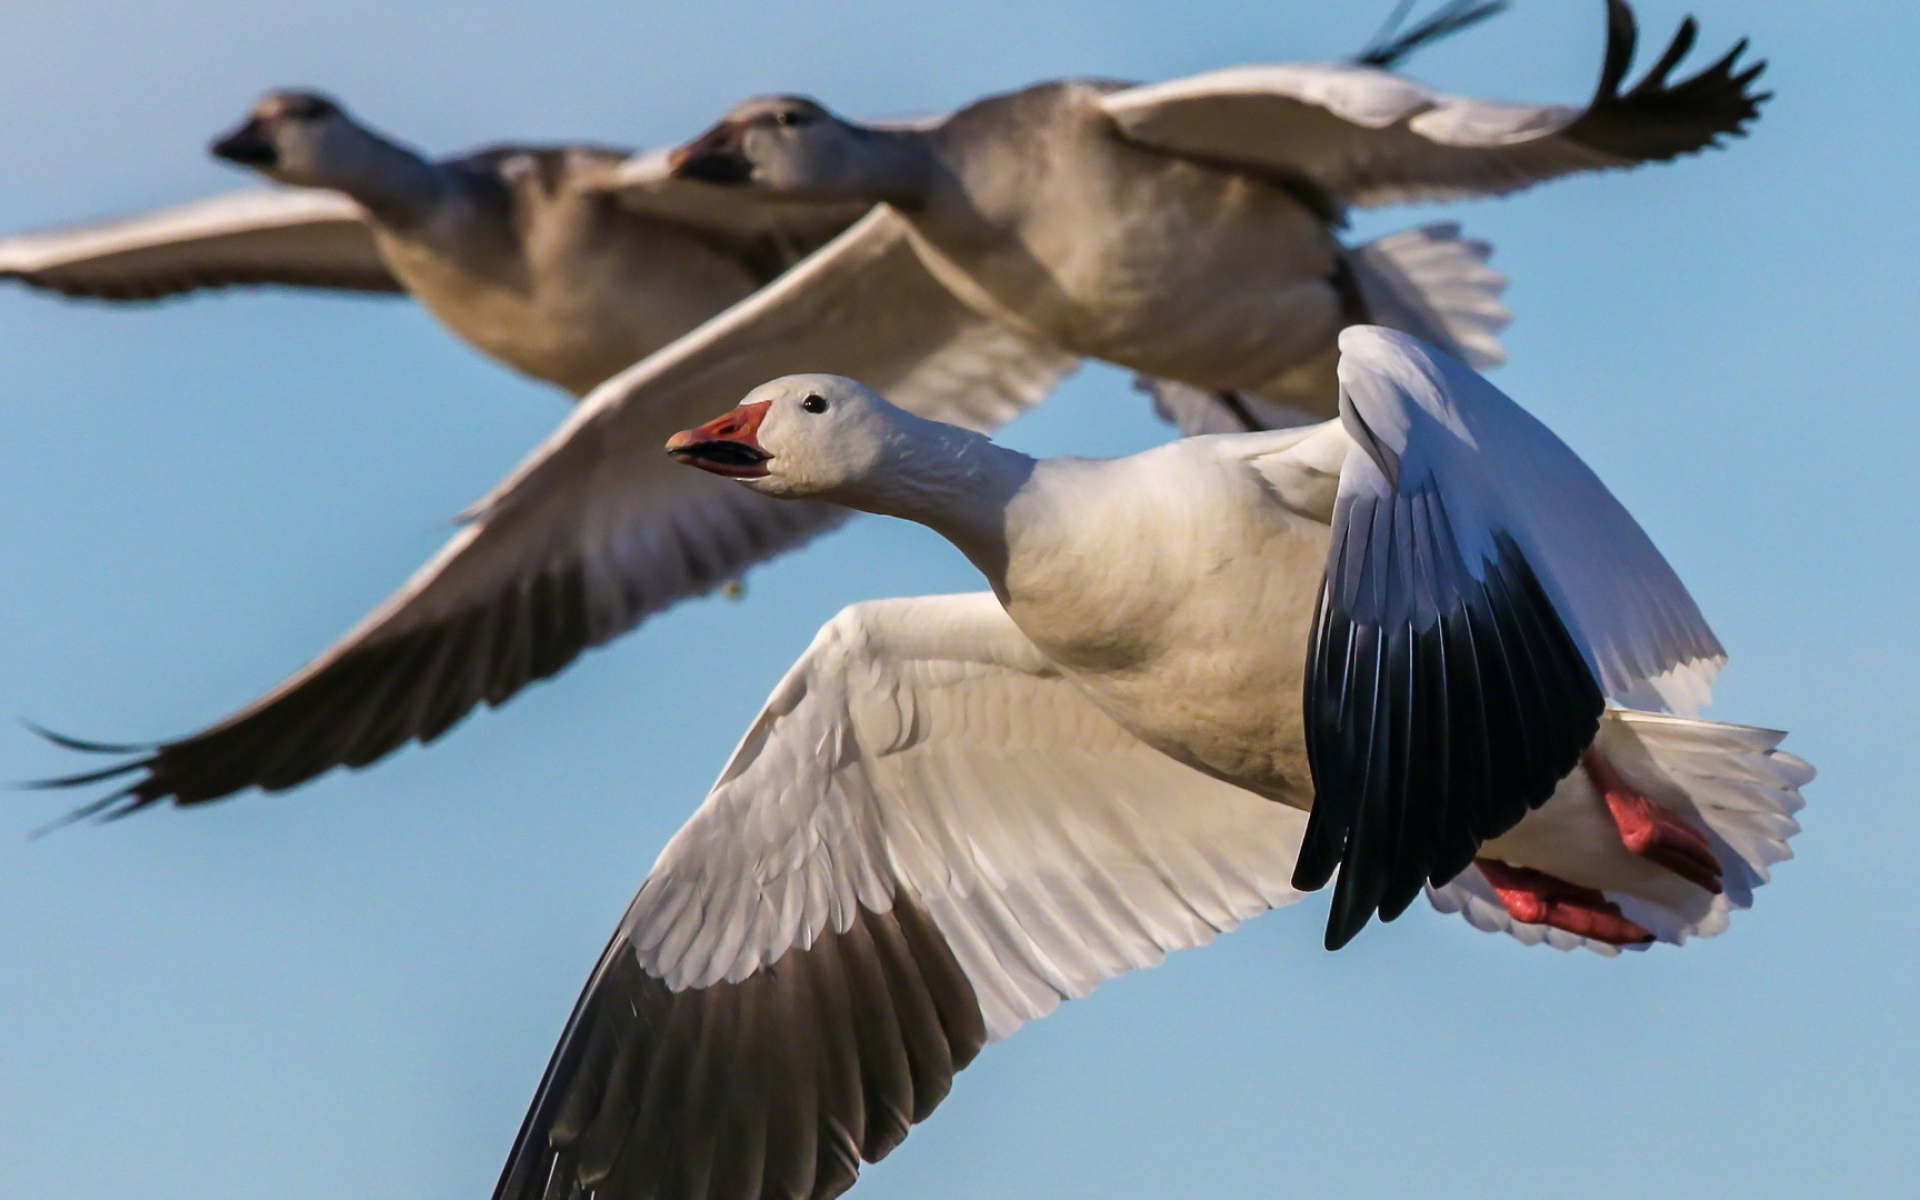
(351, 990)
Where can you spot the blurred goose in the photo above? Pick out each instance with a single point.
(957, 811)
(1185, 229)
(595, 531)
(568, 263)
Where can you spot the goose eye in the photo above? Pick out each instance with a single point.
(814, 403)
(789, 119)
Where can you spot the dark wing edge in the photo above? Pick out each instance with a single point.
(777, 1085)
(1391, 46)
(372, 281)
(1658, 121)
(354, 706)
(1444, 700)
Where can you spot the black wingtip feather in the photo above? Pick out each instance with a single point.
(1389, 47)
(87, 747)
(1440, 707)
(1656, 120)
(775, 1085)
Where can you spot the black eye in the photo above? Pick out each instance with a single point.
(789, 118)
(814, 403)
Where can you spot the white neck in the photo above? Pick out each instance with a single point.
(956, 483)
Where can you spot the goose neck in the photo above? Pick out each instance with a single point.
(959, 484)
(399, 186)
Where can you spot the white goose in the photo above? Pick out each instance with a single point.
(569, 263)
(957, 811)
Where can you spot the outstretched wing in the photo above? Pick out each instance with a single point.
(926, 838)
(1367, 136)
(598, 529)
(315, 239)
(1484, 594)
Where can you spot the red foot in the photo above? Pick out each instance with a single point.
(1650, 830)
(1538, 898)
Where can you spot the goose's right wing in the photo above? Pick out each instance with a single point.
(598, 529)
(1366, 136)
(294, 238)
(1484, 595)
(927, 838)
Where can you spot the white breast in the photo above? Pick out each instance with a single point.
(1177, 589)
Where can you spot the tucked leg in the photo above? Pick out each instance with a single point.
(1538, 898)
(1650, 830)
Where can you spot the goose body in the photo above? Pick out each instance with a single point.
(1094, 241)
(531, 256)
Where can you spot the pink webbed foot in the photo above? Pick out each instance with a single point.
(1538, 898)
(1654, 832)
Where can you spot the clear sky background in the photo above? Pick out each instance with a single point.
(349, 992)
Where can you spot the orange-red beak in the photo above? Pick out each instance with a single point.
(728, 445)
(716, 156)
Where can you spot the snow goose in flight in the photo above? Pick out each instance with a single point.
(569, 263)
(1185, 229)
(956, 811)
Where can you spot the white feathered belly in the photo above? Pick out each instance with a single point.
(1184, 614)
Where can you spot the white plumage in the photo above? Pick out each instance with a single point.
(957, 811)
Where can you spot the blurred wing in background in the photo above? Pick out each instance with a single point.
(1366, 136)
(314, 239)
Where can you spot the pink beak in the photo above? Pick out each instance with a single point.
(727, 445)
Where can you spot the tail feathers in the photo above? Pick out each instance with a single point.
(1731, 781)
(1436, 285)
(1430, 282)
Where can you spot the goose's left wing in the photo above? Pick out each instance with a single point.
(927, 838)
(1485, 594)
(291, 237)
(1366, 136)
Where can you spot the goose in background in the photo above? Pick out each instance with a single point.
(1186, 230)
(957, 811)
(595, 531)
(568, 263)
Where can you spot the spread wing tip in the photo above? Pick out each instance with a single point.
(1656, 120)
(125, 801)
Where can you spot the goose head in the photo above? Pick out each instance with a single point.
(300, 138)
(793, 146)
(801, 437)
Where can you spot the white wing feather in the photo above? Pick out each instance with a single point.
(1502, 471)
(926, 745)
